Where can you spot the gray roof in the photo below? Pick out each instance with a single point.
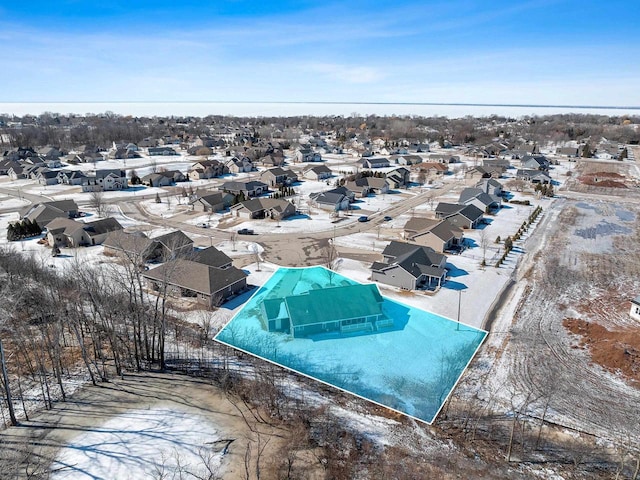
(212, 256)
(173, 240)
(330, 198)
(102, 226)
(196, 276)
(415, 259)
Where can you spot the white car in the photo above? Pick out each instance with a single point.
(202, 225)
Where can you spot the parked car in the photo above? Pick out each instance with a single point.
(202, 225)
(245, 231)
(363, 218)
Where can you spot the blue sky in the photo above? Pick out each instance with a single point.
(522, 52)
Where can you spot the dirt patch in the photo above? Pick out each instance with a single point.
(604, 179)
(616, 350)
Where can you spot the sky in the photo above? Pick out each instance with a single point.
(550, 52)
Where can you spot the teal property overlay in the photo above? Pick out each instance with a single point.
(331, 328)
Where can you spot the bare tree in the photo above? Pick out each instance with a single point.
(97, 202)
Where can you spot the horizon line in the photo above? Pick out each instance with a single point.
(294, 102)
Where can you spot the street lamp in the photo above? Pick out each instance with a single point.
(459, 302)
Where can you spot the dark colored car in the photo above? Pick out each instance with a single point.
(245, 231)
(387, 218)
(363, 218)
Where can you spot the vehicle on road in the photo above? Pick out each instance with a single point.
(363, 218)
(202, 225)
(245, 231)
(387, 218)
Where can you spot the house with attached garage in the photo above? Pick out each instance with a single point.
(43, 213)
(210, 285)
(209, 202)
(635, 309)
(571, 152)
(207, 169)
(239, 165)
(535, 162)
(273, 208)
(490, 186)
(440, 235)
(105, 180)
(307, 155)
(461, 216)
(252, 188)
(410, 267)
(137, 246)
(484, 201)
(332, 311)
(406, 159)
(278, 176)
(65, 232)
(398, 178)
(374, 162)
(71, 177)
(533, 176)
(330, 200)
(317, 172)
(160, 151)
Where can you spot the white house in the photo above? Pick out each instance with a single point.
(635, 308)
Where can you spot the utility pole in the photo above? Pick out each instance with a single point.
(7, 388)
(459, 301)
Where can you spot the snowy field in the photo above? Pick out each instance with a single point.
(153, 443)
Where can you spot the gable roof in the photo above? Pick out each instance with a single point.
(333, 304)
(469, 211)
(417, 260)
(195, 276)
(212, 256)
(173, 240)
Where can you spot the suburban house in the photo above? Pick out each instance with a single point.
(374, 162)
(533, 176)
(47, 177)
(399, 177)
(213, 201)
(105, 180)
(410, 267)
(65, 232)
(571, 152)
(439, 158)
(406, 159)
(123, 154)
(502, 163)
(330, 200)
(635, 309)
(535, 162)
(273, 208)
(71, 177)
(163, 179)
(440, 235)
(210, 285)
(43, 213)
(434, 168)
(307, 155)
(484, 172)
(278, 176)
(272, 160)
(239, 165)
(252, 188)
(317, 172)
(462, 216)
(142, 248)
(365, 185)
(206, 169)
(479, 198)
(332, 310)
(490, 186)
(161, 151)
(49, 153)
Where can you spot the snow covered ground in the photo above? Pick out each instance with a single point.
(152, 443)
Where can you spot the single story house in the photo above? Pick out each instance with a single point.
(333, 310)
(278, 176)
(252, 188)
(490, 186)
(406, 159)
(273, 208)
(330, 200)
(207, 284)
(317, 172)
(212, 201)
(137, 246)
(438, 234)
(161, 151)
(43, 213)
(65, 232)
(374, 162)
(533, 176)
(535, 162)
